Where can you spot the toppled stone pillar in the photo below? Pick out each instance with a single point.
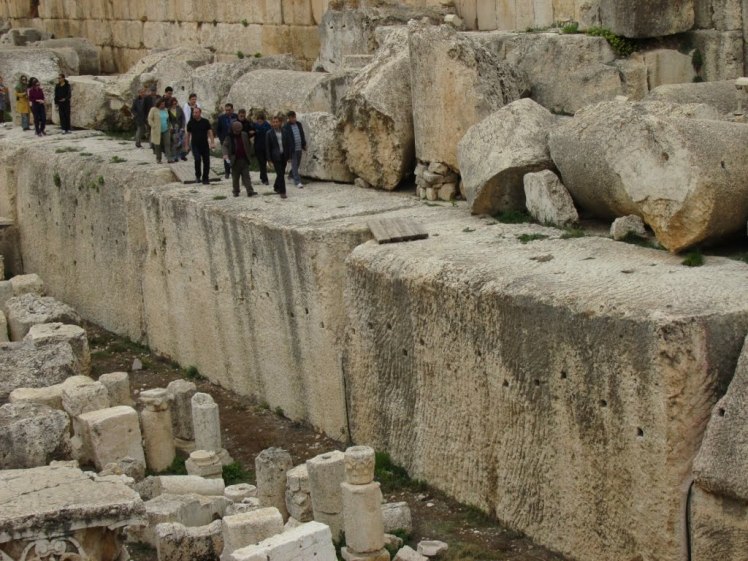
(242, 530)
(181, 392)
(44, 333)
(110, 435)
(204, 463)
(176, 542)
(271, 466)
(207, 426)
(118, 387)
(362, 511)
(190, 484)
(155, 419)
(326, 473)
(298, 499)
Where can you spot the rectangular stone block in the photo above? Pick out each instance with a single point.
(308, 542)
(468, 11)
(79, 399)
(177, 542)
(112, 434)
(249, 528)
(494, 14)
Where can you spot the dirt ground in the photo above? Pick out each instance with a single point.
(248, 428)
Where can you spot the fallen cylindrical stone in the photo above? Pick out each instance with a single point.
(362, 517)
(237, 493)
(271, 466)
(187, 484)
(326, 473)
(204, 463)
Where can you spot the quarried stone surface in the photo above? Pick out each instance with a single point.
(719, 94)
(646, 18)
(719, 526)
(324, 158)
(181, 392)
(29, 309)
(59, 332)
(118, 387)
(548, 201)
(177, 542)
(32, 435)
(112, 434)
(271, 466)
(242, 530)
(23, 365)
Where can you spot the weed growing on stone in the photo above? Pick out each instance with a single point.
(85, 154)
(239, 54)
(258, 55)
(694, 258)
(192, 373)
(119, 135)
(621, 46)
(468, 229)
(513, 217)
(570, 28)
(235, 473)
(393, 477)
(219, 197)
(265, 406)
(64, 149)
(279, 411)
(570, 233)
(245, 23)
(527, 238)
(117, 160)
(633, 239)
(100, 180)
(57, 180)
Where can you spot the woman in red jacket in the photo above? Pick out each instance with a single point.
(36, 98)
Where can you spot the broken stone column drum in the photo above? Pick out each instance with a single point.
(271, 466)
(326, 473)
(155, 420)
(362, 517)
(206, 423)
(181, 392)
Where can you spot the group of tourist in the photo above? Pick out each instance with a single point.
(176, 130)
(30, 101)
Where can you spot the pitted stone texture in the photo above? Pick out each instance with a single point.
(127, 466)
(177, 542)
(719, 526)
(23, 365)
(349, 555)
(158, 440)
(646, 18)
(397, 516)
(271, 466)
(51, 396)
(86, 54)
(30, 309)
(308, 542)
(326, 473)
(181, 392)
(409, 554)
(362, 515)
(719, 94)
(668, 66)
(724, 15)
(32, 435)
(118, 387)
(58, 332)
(456, 83)
(722, 53)
(237, 493)
(247, 505)
(27, 284)
(359, 465)
(242, 530)
(324, 158)
(377, 116)
(627, 226)
(206, 422)
(721, 464)
(496, 154)
(548, 201)
(78, 399)
(111, 435)
(688, 179)
(298, 498)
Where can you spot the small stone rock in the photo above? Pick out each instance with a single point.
(432, 194)
(361, 182)
(627, 225)
(432, 548)
(409, 554)
(137, 365)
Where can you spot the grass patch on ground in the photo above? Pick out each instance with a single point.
(633, 239)
(394, 477)
(571, 233)
(693, 258)
(235, 473)
(513, 217)
(64, 149)
(177, 467)
(527, 238)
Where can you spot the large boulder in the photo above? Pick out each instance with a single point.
(720, 95)
(684, 174)
(377, 116)
(275, 91)
(647, 18)
(27, 310)
(32, 435)
(495, 155)
(85, 54)
(456, 83)
(324, 158)
(100, 102)
(564, 72)
(23, 365)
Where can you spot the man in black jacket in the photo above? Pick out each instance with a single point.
(280, 146)
(139, 110)
(62, 100)
(296, 130)
(236, 149)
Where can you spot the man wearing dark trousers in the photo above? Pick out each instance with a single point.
(200, 138)
(261, 129)
(62, 100)
(297, 131)
(223, 129)
(236, 152)
(280, 146)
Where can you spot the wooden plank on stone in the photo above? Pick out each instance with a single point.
(185, 172)
(393, 230)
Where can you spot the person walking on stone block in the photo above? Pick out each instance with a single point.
(280, 145)
(158, 119)
(176, 125)
(236, 150)
(62, 100)
(299, 145)
(223, 129)
(4, 100)
(200, 138)
(36, 97)
(261, 131)
(139, 111)
(23, 108)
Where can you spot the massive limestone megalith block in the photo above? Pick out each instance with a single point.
(377, 116)
(455, 84)
(24, 365)
(686, 177)
(495, 155)
(32, 435)
(720, 94)
(324, 158)
(647, 18)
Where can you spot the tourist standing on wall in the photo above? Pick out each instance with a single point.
(4, 100)
(279, 145)
(158, 120)
(236, 151)
(176, 124)
(261, 132)
(140, 114)
(36, 98)
(62, 100)
(223, 129)
(22, 101)
(200, 138)
(299, 144)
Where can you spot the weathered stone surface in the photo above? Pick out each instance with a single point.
(28, 310)
(101, 102)
(78, 399)
(564, 72)
(204, 463)
(118, 387)
(496, 154)
(455, 84)
(377, 116)
(362, 517)
(276, 91)
(719, 526)
(27, 284)
(720, 94)
(177, 542)
(23, 365)
(432, 548)
(721, 463)
(722, 53)
(51, 396)
(308, 542)
(62, 499)
(74, 335)
(32, 435)
(44, 64)
(359, 466)
(242, 530)
(686, 182)
(85, 59)
(723, 15)
(186, 484)
(298, 496)
(110, 435)
(409, 554)
(668, 66)
(396, 516)
(626, 226)
(271, 466)
(324, 158)
(646, 18)
(127, 466)
(237, 493)
(547, 200)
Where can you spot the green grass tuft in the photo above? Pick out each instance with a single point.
(513, 217)
(694, 258)
(526, 238)
(235, 473)
(570, 233)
